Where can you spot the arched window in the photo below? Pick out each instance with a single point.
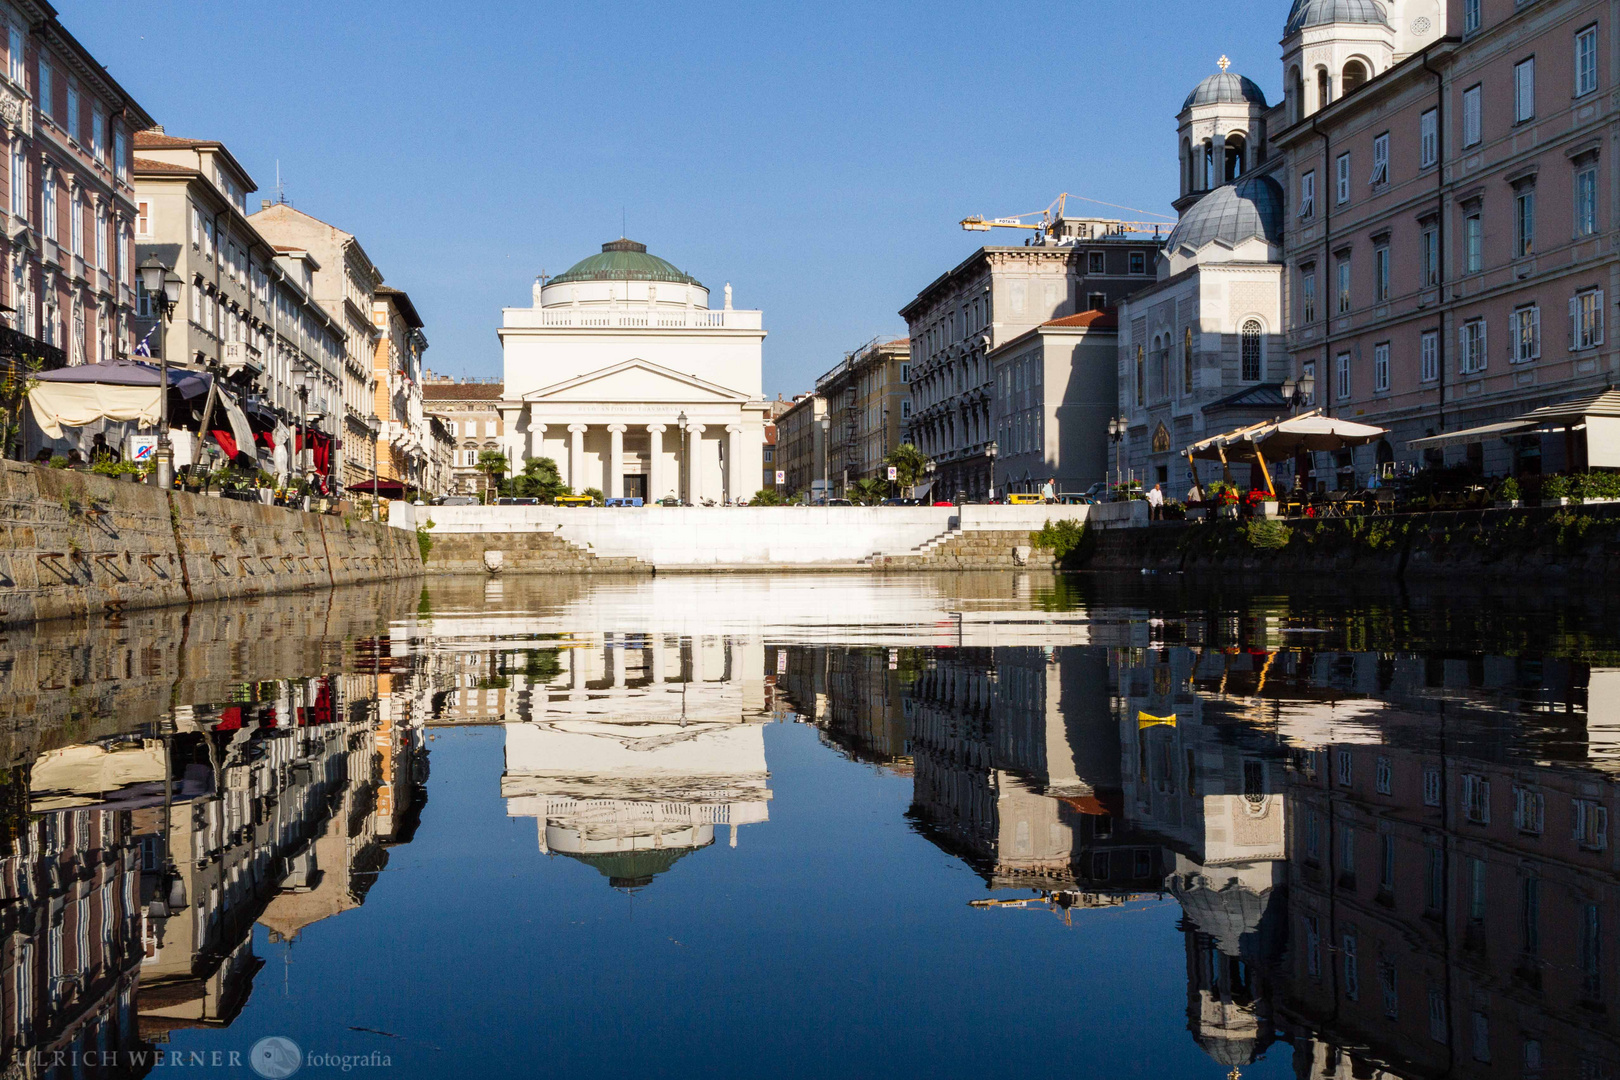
(1251, 350)
(1324, 88)
(1355, 73)
(1236, 157)
(1296, 95)
(1186, 167)
(1206, 166)
(1141, 377)
(1187, 363)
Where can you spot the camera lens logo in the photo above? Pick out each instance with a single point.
(274, 1057)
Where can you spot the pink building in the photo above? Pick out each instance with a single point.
(70, 210)
(1450, 201)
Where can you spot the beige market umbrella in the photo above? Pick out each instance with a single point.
(1279, 440)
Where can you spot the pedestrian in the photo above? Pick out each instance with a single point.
(1049, 490)
(1195, 494)
(1155, 499)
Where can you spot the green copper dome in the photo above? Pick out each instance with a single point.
(623, 260)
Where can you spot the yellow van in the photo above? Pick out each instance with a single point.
(1023, 498)
(574, 500)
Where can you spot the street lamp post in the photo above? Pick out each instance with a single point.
(373, 427)
(826, 477)
(991, 451)
(682, 487)
(1299, 394)
(1116, 431)
(930, 468)
(163, 291)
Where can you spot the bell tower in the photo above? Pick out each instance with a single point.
(1220, 133)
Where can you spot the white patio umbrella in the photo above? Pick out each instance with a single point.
(1279, 440)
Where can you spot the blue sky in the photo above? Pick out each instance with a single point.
(817, 156)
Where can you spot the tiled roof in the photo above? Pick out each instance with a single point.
(147, 165)
(1100, 320)
(157, 140)
(457, 391)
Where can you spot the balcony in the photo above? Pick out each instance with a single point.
(241, 359)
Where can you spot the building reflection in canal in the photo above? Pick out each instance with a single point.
(1390, 863)
(172, 805)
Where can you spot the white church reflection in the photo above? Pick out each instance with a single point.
(629, 751)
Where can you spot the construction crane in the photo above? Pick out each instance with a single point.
(1054, 227)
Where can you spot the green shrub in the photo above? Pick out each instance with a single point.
(765, 497)
(1554, 487)
(424, 539)
(58, 462)
(1268, 535)
(596, 496)
(1508, 490)
(1060, 538)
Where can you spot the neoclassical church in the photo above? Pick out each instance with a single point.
(622, 374)
(1205, 349)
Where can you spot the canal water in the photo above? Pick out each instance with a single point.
(817, 826)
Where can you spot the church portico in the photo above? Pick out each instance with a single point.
(622, 375)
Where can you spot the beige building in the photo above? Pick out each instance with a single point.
(1055, 388)
(470, 410)
(345, 285)
(869, 400)
(801, 446)
(993, 296)
(402, 441)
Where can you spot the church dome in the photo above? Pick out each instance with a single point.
(1225, 88)
(1252, 207)
(1324, 12)
(623, 260)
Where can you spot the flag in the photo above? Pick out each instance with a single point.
(142, 348)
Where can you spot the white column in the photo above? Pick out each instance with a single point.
(655, 658)
(655, 462)
(615, 478)
(694, 463)
(616, 658)
(735, 480)
(537, 434)
(510, 442)
(576, 457)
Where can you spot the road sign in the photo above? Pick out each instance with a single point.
(781, 661)
(781, 477)
(143, 448)
(894, 473)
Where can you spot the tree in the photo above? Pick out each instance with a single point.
(540, 479)
(492, 463)
(868, 492)
(909, 463)
(595, 495)
(766, 497)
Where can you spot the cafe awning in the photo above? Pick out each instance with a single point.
(387, 489)
(121, 390)
(1597, 414)
(1279, 440)
(1469, 435)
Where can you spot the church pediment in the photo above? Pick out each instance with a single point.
(636, 382)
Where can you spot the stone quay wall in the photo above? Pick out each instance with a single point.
(545, 539)
(1535, 544)
(73, 544)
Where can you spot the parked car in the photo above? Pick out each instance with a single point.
(669, 500)
(574, 500)
(943, 502)
(517, 502)
(633, 501)
(904, 502)
(457, 500)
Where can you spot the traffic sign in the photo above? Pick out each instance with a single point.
(781, 477)
(894, 473)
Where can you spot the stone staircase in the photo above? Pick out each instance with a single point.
(524, 553)
(977, 550)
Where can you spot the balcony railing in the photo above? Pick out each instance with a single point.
(633, 319)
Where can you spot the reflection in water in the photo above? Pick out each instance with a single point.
(1397, 862)
(1384, 822)
(202, 795)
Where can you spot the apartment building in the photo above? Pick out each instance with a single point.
(1452, 190)
(868, 397)
(801, 446)
(68, 243)
(403, 443)
(991, 297)
(470, 411)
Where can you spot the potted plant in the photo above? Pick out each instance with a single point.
(1555, 491)
(1508, 494)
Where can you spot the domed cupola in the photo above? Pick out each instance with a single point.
(622, 274)
(1226, 88)
(1231, 217)
(1326, 12)
(1221, 132)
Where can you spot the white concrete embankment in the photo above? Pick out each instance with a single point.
(723, 537)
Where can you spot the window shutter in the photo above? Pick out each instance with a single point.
(1580, 820)
(1600, 826)
(1535, 333)
(1574, 322)
(1597, 320)
(1462, 349)
(1483, 354)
